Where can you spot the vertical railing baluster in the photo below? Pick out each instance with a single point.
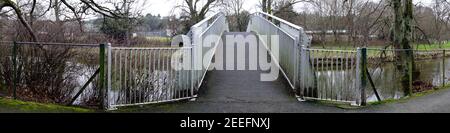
(14, 72)
(116, 74)
(166, 75)
(172, 77)
(358, 76)
(159, 71)
(108, 90)
(130, 76)
(122, 82)
(324, 74)
(332, 76)
(154, 85)
(135, 75)
(319, 74)
(443, 68)
(313, 86)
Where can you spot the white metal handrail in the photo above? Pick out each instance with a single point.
(199, 32)
(279, 19)
(138, 76)
(291, 40)
(288, 27)
(335, 75)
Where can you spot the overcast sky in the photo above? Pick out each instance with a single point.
(165, 7)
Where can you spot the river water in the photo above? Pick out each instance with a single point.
(336, 84)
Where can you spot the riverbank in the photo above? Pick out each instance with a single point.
(415, 47)
(414, 96)
(17, 106)
(426, 102)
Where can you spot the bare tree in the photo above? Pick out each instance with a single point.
(77, 8)
(15, 7)
(276, 6)
(367, 20)
(441, 10)
(193, 11)
(237, 17)
(403, 18)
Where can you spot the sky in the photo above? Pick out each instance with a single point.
(165, 7)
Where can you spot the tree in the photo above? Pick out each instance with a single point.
(116, 29)
(238, 18)
(366, 21)
(120, 28)
(329, 17)
(18, 11)
(285, 10)
(266, 6)
(403, 16)
(76, 9)
(152, 22)
(276, 6)
(193, 11)
(441, 10)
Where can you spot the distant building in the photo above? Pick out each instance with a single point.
(329, 35)
(327, 32)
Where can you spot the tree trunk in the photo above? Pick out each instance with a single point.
(59, 24)
(9, 3)
(264, 5)
(403, 10)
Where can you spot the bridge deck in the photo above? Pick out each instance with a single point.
(242, 85)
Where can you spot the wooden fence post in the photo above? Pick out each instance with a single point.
(363, 67)
(102, 58)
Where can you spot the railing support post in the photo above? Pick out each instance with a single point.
(363, 75)
(108, 77)
(443, 68)
(14, 72)
(302, 72)
(102, 75)
(192, 67)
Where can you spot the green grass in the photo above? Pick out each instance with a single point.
(384, 101)
(372, 52)
(16, 106)
(415, 95)
(415, 46)
(160, 39)
(170, 106)
(432, 47)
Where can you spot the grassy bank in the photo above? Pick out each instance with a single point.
(415, 95)
(415, 46)
(432, 47)
(16, 106)
(384, 101)
(160, 39)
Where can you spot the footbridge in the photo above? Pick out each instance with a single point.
(270, 62)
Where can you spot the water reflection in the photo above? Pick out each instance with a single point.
(336, 84)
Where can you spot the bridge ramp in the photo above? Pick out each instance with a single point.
(242, 85)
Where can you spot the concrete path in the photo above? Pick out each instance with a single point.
(437, 102)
